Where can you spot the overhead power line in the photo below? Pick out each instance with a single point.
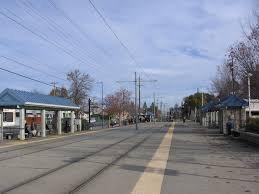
(33, 68)
(116, 36)
(54, 43)
(36, 61)
(60, 32)
(24, 76)
(77, 27)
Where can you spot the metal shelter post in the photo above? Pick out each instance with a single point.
(2, 125)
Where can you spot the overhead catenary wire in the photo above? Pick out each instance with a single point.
(73, 53)
(24, 76)
(42, 36)
(36, 61)
(63, 35)
(60, 32)
(54, 43)
(116, 36)
(79, 29)
(76, 26)
(30, 67)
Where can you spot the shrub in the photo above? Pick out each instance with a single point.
(252, 125)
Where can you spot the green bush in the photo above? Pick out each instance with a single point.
(252, 125)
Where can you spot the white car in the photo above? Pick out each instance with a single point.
(93, 120)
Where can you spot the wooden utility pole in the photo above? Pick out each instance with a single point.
(54, 87)
(89, 110)
(154, 107)
(136, 99)
(2, 124)
(249, 93)
(139, 93)
(102, 103)
(138, 85)
(135, 81)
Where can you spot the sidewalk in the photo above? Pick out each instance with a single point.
(238, 148)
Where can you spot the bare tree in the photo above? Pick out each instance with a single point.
(245, 56)
(61, 92)
(119, 103)
(222, 82)
(80, 86)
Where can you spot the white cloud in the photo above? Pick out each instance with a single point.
(163, 72)
(178, 42)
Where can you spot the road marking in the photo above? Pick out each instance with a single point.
(151, 182)
(17, 143)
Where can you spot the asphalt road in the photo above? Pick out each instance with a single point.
(158, 158)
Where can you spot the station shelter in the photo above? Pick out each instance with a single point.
(232, 109)
(210, 114)
(23, 103)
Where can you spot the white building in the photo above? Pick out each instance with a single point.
(254, 106)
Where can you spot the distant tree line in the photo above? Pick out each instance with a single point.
(194, 101)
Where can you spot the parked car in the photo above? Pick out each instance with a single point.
(93, 120)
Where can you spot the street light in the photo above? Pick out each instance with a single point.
(102, 104)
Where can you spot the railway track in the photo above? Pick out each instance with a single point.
(47, 148)
(99, 172)
(51, 141)
(30, 180)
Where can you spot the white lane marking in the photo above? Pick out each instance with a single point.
(151, 182)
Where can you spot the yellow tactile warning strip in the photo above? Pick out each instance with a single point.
(19, 142)
(151, 182)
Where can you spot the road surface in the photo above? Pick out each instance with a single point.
(166, 158)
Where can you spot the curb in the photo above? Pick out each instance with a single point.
(19, 142)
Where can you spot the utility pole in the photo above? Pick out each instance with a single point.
(156, 103)
(102, 108)
(154, 108)
(161, 110)
(232, 73)
(231, 66)
(165, 112)
(54, 87)
(202, 102)
(123, 107)
(2, 124)
(136, 99)
(102, 104)
(137, 83)
(139, 93)
(89, 109)
(249, 93)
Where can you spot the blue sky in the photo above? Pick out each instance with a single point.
(179, 43)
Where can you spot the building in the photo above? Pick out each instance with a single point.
(254, 108)
(20, 107)
(210, 115)
(230, 109)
